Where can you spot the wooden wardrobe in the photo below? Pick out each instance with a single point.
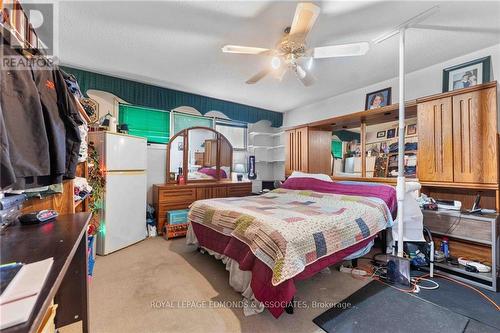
(308, 150)
(457, 136)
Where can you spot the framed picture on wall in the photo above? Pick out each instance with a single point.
(411, 129)
(378, 99)
(467, 74)
(391, 133)
(380, 134)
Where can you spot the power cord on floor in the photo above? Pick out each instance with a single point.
(377, 271)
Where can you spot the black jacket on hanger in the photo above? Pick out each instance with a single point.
(24, 123)
(41, 120)
(56, 131)
(7, 175)
(70, 115)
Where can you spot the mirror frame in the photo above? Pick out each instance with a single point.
(185, 156)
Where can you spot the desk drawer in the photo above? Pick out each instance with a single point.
(179, 195)
(460, 226)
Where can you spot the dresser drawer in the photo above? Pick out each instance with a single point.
(219, 192)
(239, 190)
(203, 193)
(176, 196)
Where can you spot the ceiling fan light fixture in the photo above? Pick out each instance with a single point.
(300, 72)
(275, 62)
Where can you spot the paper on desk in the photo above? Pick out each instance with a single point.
(18, 300)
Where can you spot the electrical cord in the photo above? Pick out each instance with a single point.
(497, 307)
(436, 285)
(373, 272)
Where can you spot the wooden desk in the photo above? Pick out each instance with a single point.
(66, 241)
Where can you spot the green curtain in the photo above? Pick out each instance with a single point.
(149, 123)
(146, 95)
(344, 135)
(337, 149)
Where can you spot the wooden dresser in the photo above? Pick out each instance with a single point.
(168, 197)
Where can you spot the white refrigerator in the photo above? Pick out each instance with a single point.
(123, 217)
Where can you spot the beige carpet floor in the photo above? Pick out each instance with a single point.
(127, 283)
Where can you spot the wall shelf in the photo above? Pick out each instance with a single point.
(267, 145)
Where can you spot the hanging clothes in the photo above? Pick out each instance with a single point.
(56, 131)
(72, 119)
(39, 122)
(24, 122)
(74, 89)
(7, 175)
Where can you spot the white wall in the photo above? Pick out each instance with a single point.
(424, 82)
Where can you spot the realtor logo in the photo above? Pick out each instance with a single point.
(30, 29)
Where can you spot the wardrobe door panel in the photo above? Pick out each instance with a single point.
(475, 137)
(320, 151)
(302, 146)
(435, 141)
(290, 152)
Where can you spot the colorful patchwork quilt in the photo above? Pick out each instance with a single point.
(289, 229)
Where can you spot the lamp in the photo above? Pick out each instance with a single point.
(239, 168)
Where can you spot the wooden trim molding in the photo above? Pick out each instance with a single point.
(457, 92)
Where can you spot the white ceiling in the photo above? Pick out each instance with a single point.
(176, 44)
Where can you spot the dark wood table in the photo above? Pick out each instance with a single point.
(65, 240)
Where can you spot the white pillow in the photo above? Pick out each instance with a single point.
(319, 176)
(227, 170)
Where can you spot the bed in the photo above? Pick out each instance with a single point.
(291, 233)
(205, 173)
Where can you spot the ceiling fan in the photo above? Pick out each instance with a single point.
(291, 51)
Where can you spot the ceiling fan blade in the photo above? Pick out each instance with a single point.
(305, 15)
(304, 76)
(257, 77)
(280, 72)
(343, 50)
(244, 49)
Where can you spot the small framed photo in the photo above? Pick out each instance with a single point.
(391, 133)
(467, 74)
(378, 99)
(411, 129)
(380, 134)
(171, 176)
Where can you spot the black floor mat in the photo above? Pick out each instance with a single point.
(464, 301)
(477, 327)
(379, 308)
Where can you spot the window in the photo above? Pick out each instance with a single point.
(149, 123)
(182, 121)
(235, 132)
